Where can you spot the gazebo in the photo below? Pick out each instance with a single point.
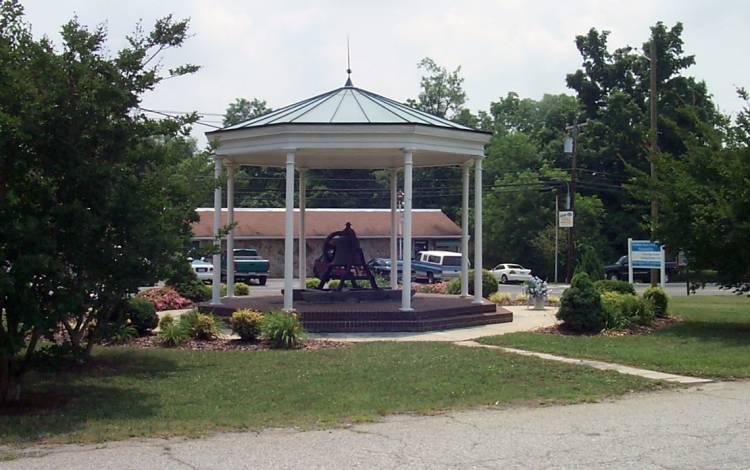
(349, 128)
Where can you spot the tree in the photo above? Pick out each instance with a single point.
(442, 92)
(613, 93)
(242, 109)
(91, 202)
(705, 199)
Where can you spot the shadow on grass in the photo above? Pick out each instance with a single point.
(63, 398)
(729, 333)
(44, 414)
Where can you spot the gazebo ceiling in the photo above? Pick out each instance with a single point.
(349, 128)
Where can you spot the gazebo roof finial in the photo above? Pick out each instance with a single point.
(348, 66)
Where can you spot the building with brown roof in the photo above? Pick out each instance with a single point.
(263, 229)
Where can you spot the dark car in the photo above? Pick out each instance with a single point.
(619, 271)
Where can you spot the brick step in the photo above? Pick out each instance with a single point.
(413, 325)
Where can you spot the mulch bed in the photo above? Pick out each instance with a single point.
(223, 344)
(635, 330)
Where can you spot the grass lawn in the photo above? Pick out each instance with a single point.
(712, 341)
(136, 392)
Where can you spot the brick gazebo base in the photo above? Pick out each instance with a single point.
(431, 312)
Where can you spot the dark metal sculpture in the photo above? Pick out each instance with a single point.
(343, 259)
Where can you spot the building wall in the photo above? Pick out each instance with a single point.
(273, 250)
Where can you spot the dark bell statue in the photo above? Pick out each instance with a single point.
(343, 259)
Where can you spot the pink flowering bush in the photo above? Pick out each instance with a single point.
(165, 298)
(437, 288)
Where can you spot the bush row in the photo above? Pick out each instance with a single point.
(281, 329)
(593, 306)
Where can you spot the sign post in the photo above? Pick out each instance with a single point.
(645, 254)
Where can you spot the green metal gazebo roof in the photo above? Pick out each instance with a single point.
(348, 105)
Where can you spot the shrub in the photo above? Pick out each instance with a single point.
(193, 289)
(437, 288)
(204, 328)
(382, 282)
(188, 322)
(624, 310)
(312, 282)
(167, 319)
(489, 284)
(282, 330)
(500, 298)
(621, 287)
(172, 334)
(333, 284)
(658, 299)
(165, 298)
(522, 298)
(581, 306)
(240, 288)
(142, 314)
(589, 263)
(553, 300)
(122, 334)
(246, 323)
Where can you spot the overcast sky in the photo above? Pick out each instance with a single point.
(284, 51)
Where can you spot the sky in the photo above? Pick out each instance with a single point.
(283, 51)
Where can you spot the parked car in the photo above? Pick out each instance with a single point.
(619, 271)
(506, 272)
(247, 265)
(436, 266)
(382, 267)
(203, 270)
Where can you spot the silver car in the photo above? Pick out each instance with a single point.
(203, 270)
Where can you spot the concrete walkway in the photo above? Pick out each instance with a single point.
(649, 374)
(691, 428)
(523, 320)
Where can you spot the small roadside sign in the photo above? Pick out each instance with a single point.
(565, 219)
(645, 254)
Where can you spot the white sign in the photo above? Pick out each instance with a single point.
(566, 219)
(645, 254)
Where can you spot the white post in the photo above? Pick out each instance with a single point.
(394, 229)
(663, 268)
(478, 232)
(302, 248)
(630, 260)
(289, 234)
(230, 235)
(216, 281)
(465, 231)
(407, 251)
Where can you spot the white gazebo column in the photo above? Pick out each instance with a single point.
(216, 281)
(465, 231)
(407, 250)
(289, 233)
(230, 234)
(394, 229)
(478, 231)
(302, 248)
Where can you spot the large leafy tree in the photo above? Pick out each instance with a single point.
(613, 93)
(91, 201)
(705, 198)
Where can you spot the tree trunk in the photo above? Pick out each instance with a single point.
(10, 386)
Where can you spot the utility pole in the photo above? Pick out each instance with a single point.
(654, 149)
(557, 228)
(574, 130)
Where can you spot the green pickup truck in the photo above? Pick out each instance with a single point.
(247, 265)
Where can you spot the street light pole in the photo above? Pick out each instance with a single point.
(557, 228)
